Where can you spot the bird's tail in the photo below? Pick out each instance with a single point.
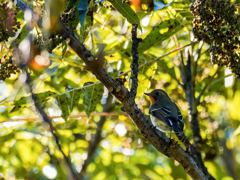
(177, 127)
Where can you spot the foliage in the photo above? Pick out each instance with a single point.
(7, 68)
(65, 89)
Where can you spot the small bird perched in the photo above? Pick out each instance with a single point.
(164, 113)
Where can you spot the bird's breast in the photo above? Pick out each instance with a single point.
(160, 124)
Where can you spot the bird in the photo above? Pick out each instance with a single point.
(164, 113)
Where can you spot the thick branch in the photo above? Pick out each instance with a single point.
(170, 149)
(190, 97)
(189, 89)
(134, 65)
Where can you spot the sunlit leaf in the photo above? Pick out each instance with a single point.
(159, 33)
(126, 11)
(144, 77)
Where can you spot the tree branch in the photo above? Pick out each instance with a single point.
(134, 64)
(52, 129)
(181, 66)
(189, 88)
(23, 62)
(171, 149)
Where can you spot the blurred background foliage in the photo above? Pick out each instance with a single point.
(67, 92)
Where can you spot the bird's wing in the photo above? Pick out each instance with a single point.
(180, 118)
(162, 113)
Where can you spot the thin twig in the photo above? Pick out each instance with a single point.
(181, 66)
(75, 63)
(52, 129)
(156, 59)
(102, 114)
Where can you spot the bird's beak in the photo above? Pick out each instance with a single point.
(152, 100)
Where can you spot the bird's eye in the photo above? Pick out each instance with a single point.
(157, 93)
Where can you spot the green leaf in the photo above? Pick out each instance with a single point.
(16, 108)
(40, 97)
(21, 101)
(160, 33)
(144, 77)
(23, 34)
(117, 108)
(166, 66)
(68, 101)
(44, 96)
(75, 96)
(126, 11)
(69, 5)
(63, 103)
(91, 97)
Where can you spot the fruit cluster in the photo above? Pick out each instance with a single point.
(217, 23)
(70, 18)
(8, 23)
(7, 68)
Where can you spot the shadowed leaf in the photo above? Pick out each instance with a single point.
(91, 97)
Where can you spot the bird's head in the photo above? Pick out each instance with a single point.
(156, 94)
